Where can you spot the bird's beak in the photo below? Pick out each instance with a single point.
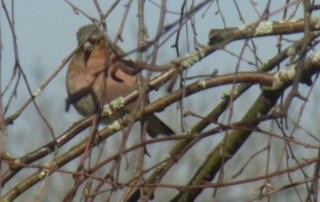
(87, 47)
(87, 50)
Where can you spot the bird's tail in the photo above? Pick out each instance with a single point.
(157, 127)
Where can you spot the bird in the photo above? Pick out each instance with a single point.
(96, 76)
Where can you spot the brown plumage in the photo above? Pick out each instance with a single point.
(95, 78)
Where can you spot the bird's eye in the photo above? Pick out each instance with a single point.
(94, 42)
